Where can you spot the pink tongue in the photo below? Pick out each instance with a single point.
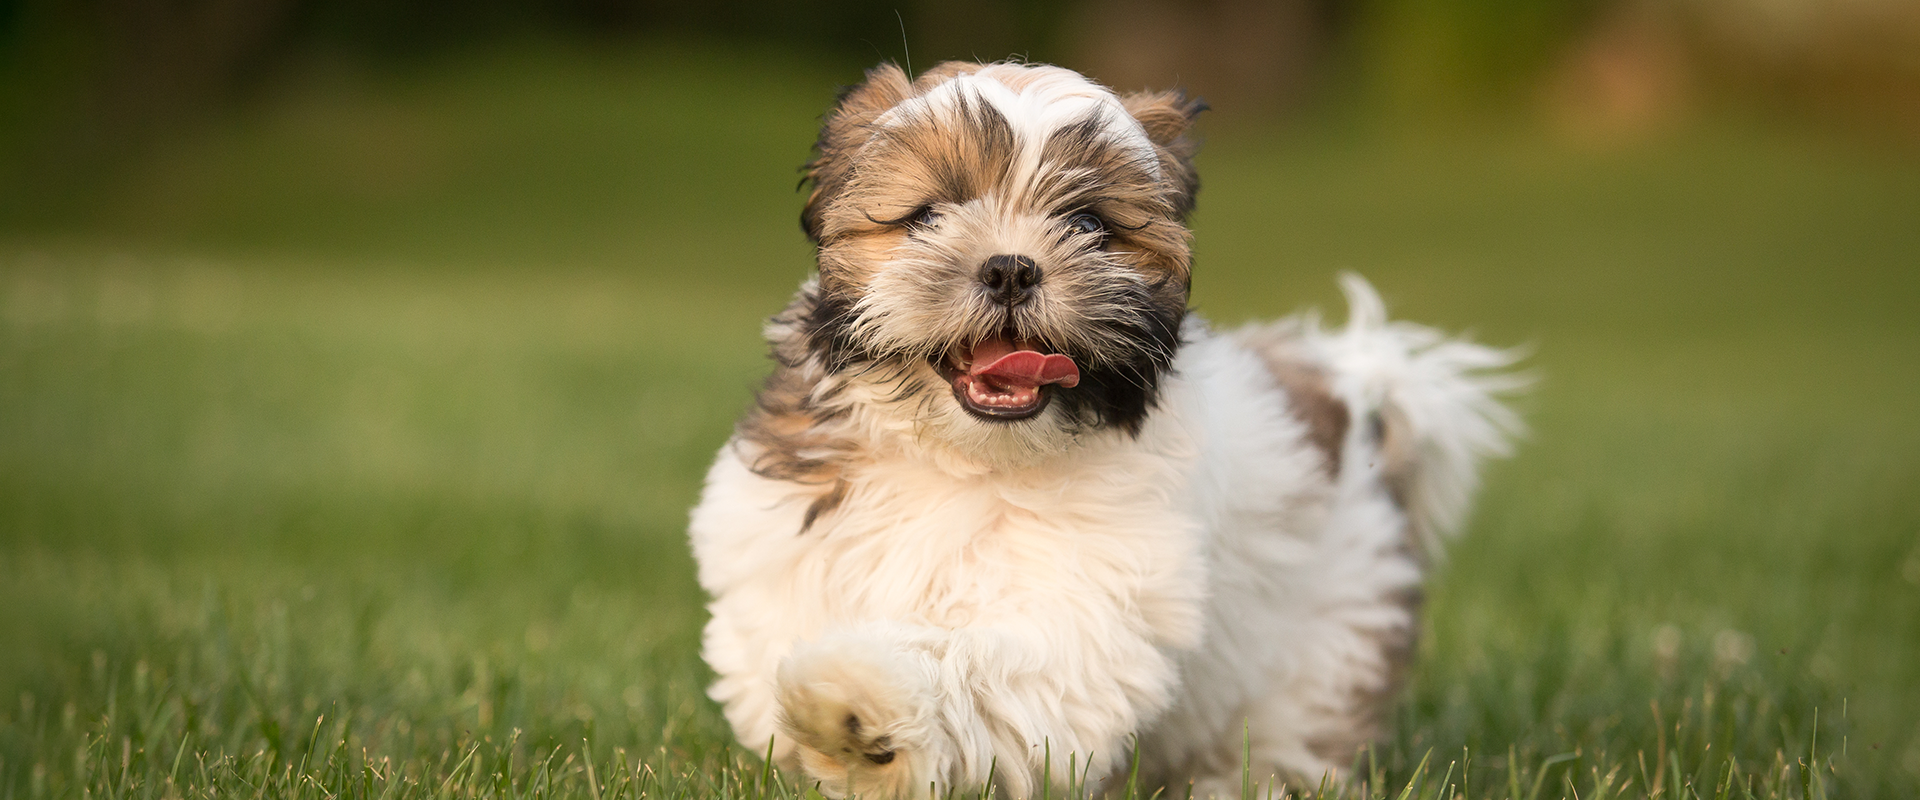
(1026, 367)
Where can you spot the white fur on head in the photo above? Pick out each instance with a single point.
(1038, 100)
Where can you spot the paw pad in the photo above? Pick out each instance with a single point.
(881, 755)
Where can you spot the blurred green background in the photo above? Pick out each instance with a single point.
(359, 362)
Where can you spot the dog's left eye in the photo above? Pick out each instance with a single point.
(923, 216)
(1086, 224)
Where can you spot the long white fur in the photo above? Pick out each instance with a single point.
(988, 595)
(1177, 586)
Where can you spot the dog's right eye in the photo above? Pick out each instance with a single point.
(921, 217)
(1085, 224)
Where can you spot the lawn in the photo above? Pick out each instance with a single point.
(346, 442)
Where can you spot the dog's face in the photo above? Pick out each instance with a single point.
(1003, 258)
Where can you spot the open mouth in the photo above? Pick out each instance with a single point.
(1005, 378)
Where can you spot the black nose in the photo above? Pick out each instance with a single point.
(1010, 279)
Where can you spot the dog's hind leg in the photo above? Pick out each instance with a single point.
(1402, 416)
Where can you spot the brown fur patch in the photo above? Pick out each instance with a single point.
(919, 161)
(787, 445)
(845, 132)
(1168, 118)
(1371, 707)
(1310, 399)
(850, 262)
(1399, 470)
(783, 431)
(825, 503)
(782, 426)
(1090, 172)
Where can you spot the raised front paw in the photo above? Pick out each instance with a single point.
(861, 715)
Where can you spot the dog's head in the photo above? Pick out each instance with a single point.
(1003, 256)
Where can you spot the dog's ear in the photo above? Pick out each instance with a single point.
(843, 132)
(1168, 119)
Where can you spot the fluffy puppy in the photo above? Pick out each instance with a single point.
(1004, 501)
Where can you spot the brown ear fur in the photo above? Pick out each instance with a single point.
(844, 131)
(1168, 117)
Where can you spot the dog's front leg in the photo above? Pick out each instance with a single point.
(862, 708)
(890, 710)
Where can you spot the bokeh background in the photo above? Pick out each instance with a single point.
(359, 361)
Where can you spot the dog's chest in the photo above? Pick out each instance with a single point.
(912, 543)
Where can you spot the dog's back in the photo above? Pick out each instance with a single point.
(1422, 407)
(1316, 594)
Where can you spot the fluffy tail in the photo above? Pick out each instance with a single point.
(1426, 407)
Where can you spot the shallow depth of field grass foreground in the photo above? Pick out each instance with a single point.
(345, 447)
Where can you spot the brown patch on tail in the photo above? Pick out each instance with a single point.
(1310, 400)
(1399, 458)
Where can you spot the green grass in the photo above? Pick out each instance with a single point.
(345, 446)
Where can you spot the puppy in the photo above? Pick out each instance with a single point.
(1006, 513)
